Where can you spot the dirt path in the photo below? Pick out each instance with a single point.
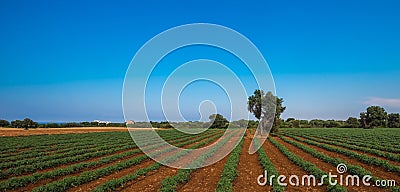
(249, 169)
(150, 182)
(324, 166)
(375, 170)
(286, 167)
(206, 178)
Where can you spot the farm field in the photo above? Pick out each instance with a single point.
(111, 161)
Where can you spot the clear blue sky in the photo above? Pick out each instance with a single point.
(66, 60)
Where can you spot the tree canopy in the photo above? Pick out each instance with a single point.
(375, 116)
(4, 123)
(394, 120)
(218, 121)
(267, 108)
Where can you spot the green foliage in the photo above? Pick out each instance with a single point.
(269, 167)
(331, 124)
(361, 157)
(171, 183)
(383, 139)
(306, 166)
(26, 124)
(218, 121)
(394, 120)
(163, 124)
(395, 189)
(4, 123)
(353, 169)
(261, 105)
(374, 117)
(112, 185)
(254, 103)
(252, 124)
(295, 123)
(317, 123)
(229, 172)
(175, 137)
(352, 122)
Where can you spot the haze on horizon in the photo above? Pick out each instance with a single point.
(66, 61)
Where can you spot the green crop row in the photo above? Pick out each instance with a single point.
(361, 157)
(88, 176)
(353, 169)
(391, 156)
(53, 141)
(269, 167)
(73, 152)
(43, 143)
(99, 151)
(48, 164)
(229, 173)
(41, 162)
(91, 175)
(171, 183)
(365, 142)
(379, 139)
(39, 153)
(112, 185)
(307, 166)
(64, 148)
(16, 182)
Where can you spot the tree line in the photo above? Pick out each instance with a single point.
(28, 123)
(373, 117)
(261, 104)
(266, 108)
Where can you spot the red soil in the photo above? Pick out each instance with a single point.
(249, 169)
(286, 167)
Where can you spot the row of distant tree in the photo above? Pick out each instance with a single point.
(215, 121)
(375, 116)
(28, 123)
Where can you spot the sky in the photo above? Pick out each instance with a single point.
(66, 60)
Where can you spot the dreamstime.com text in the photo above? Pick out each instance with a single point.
(331, 179)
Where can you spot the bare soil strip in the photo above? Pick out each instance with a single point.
(249, 169)
(206, 178)
(286, 167)
(324, 166)
(151, 182)
(375, 170)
